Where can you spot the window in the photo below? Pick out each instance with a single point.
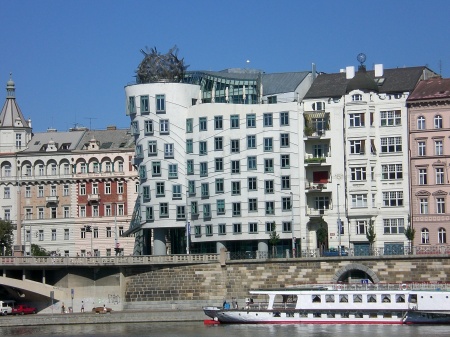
(152, 148)
(358, 173)
(439, 175)
(356, 120)
(268, 186)
(107, 188)
(272, 100)
(220, 206)
(108, 207)
(208, 230)
(253, 227)
(267, 119)
(285, 161)
(156, 169)
(235, 188)
(285, 182)
(251, 142)
(144, 105)
(95, 232)
(7, 193)
(189, 125)
(393, 199)
(168, 150)
(357, 146)
(82, 189)
(218, 164)
(198, 231)
(222, 229)
(95, 210)
(40, 213)
(28, 213)
(160, 189)
(164, 210)
(284, 140)
(218, 122)
(235, 167)
(119, 187)
(66, 211)
(53, 169)
(392, 172)
(286, 203)
(270, 227)
(206, 211)
(268, 144)
(160, 103)
(391, 144)
(236, 207)
(219, 186)
(82, 211)
(252, 184)
(28, 191)
(203, 148)
(190, 166)
(65, 190)
(139, 153)
(356, 97)
(120, 166)
(173, 170)
(321, 203)
(425, 236)
(191, 187)
(41, 191)
(359, 200)
(237, 228)
(135, 127)
(203, 169)
(66, 169)
(66, 234)
(148, 127)
(442, 236)
(189, 146)
(421, 148)
(268, 165)
(143, 172)
(423, 206)
(390, 118)
(393, 226)
(149, 213)
(40, 170)
(234, 121)
(205, 190)
(284, 118)
(181, 212)
(176, 192)
(41, 235)
(251, 121)
(286, 227)
(440, 205)
(235, 146)
(361, 227)
(202, 124)
(438, 122)
(422, 176)
(251, 163)
(194, 207)
(253, 205)
(108, 232)
(421, 123)
(218, 143)
(438, 148)
(164, 126)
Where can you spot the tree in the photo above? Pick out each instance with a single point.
(274, 238)
(322, 234)
(371, 235)
(6, 237)
(410, 233)
(37, 250)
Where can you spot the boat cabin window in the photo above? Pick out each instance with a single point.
(387, 315)
(400, 298)
(330, 315)
(329, 298)
(276, 314)
(358, 315)
(373, 315)
(343, 298)
(412, 298)
(371, 298)
(316, 299)
(357, 298)
(303, 314)
(317, 314)
(386, 298)
(289, 298)
(345, 314)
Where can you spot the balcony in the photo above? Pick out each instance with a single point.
(316, 187)
(315, 213)
(93, 197)
(52, 199)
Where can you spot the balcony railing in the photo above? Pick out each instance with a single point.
(313, 187)
(94, 197)
(52, 199)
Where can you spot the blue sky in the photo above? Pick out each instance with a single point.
(71, 59)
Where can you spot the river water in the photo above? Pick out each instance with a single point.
(198, 329)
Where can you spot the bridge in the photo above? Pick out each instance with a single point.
(178, 281)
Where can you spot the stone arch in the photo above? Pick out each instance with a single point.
(345, 271)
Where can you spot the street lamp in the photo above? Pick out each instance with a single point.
(116, 233)
(292, 224)
(339, 222)
(88, 229)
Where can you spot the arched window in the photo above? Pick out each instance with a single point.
(425, 235)
(421, 123)
(438, 122)
(442, 235)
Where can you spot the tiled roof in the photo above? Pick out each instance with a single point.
(435, 88)
(395, 80)
(108, 139)
(64, 141)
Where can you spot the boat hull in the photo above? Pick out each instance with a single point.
(417, 317)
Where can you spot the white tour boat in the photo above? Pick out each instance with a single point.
(411, 303)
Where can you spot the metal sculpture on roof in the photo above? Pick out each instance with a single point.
(156, 67)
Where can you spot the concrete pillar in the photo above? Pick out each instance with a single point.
(159, 241)
(219, 246)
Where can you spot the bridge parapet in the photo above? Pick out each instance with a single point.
(49, 261)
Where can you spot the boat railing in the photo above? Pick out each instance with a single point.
(382, 286)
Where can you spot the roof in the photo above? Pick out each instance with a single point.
(64, 141)
(395, 80)
(432, 89)
(11, 112)
(114, 139)
(282, 82)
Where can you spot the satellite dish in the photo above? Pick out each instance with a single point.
(361, 58)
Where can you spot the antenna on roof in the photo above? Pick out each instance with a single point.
(90, 121)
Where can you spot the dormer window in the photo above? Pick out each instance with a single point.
(318, 106)
(356, 97)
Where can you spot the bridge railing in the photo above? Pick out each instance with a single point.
(106, 260)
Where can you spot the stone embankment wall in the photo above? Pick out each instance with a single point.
(180, 287)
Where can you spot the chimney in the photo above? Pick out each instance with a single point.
(378, 70)
(349, 72)
(111, 127)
